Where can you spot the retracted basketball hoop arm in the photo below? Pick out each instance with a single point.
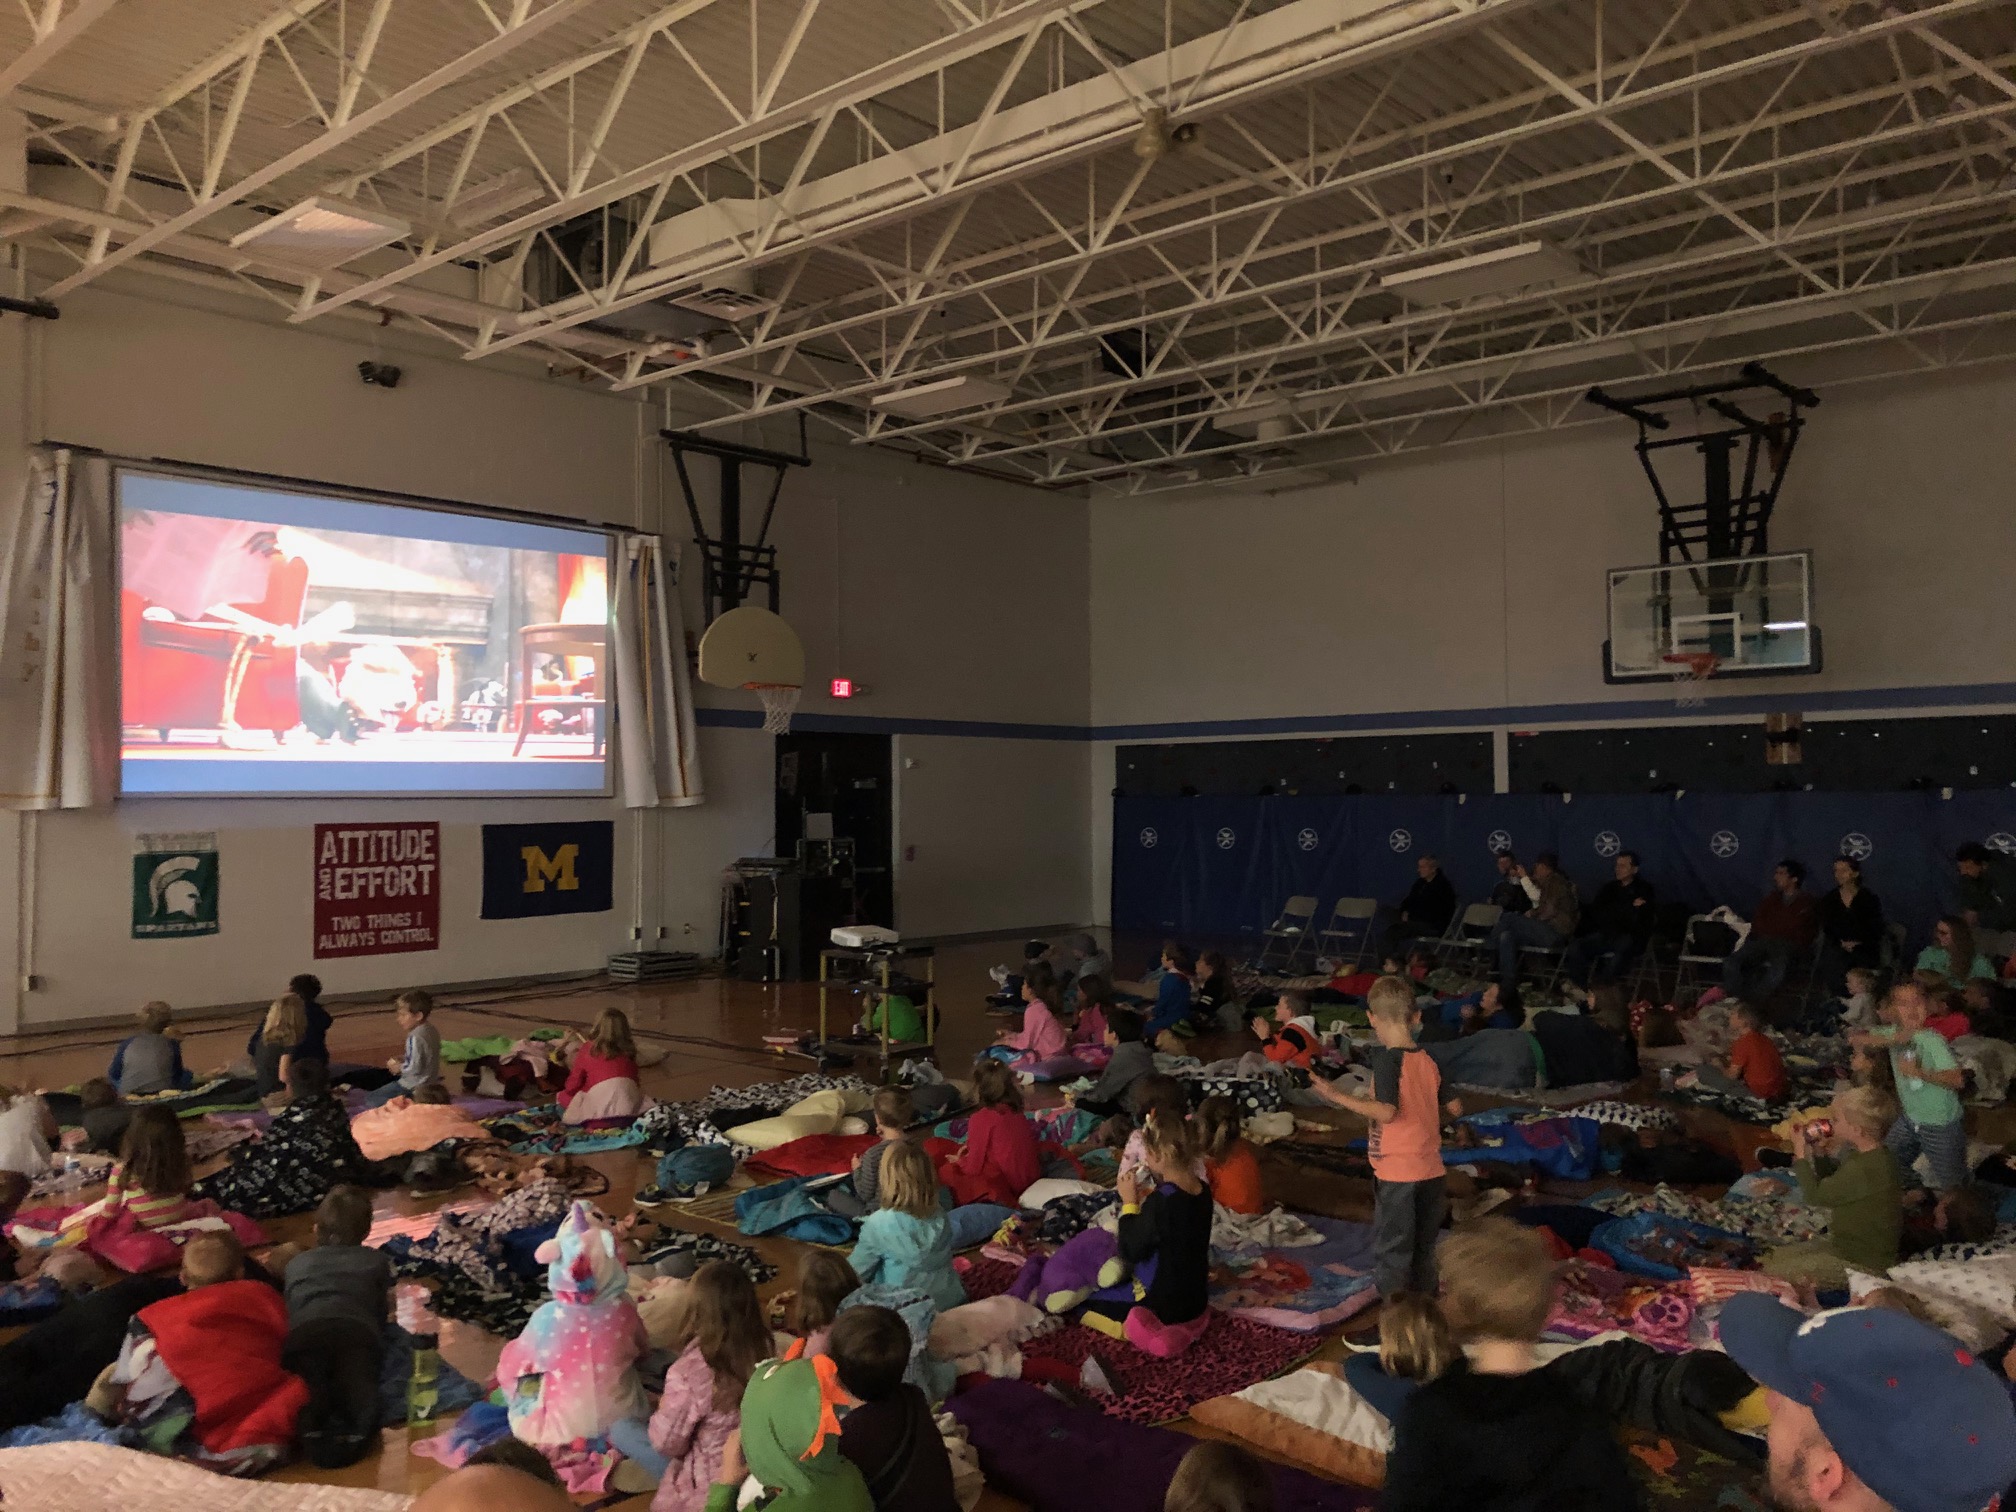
(1732, 519)
(734, 570)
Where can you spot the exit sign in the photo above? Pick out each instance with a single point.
(843, 687)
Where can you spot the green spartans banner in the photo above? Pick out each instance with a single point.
(174, 886)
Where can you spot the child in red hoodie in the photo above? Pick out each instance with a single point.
(1000, 1160)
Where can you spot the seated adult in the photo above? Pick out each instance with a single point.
(1785, 924)
(1872, 1410)
(1616, 924)
(1987, 886)
(1851, 926)
(1506, 893)
(1428, 907)
(1547, 920)
(1952, 952)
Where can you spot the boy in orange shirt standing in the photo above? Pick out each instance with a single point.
(1405, 1111)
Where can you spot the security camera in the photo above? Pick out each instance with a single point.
(383, 374)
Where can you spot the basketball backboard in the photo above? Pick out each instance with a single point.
(1753, 614)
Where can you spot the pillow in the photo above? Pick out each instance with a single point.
(821, 1113)
(1310, 1417)
(1050, 1188)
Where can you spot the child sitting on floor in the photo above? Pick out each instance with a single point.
(723, 1342)
(1215, 1003)
(1041, 1036)
(1859, 1186)
(151, 1179)
(906, 1242)
(336, 1303)
(26, 1129)
(1289, 1038)
(895, 1015)
(1172, 992)
(602, 1081)
(421, 1061)
(1000, 1160)
(789, 1443)
(894, 1113)
(150, 1061)
(1156, 1096)
(1858, 1009)
(891, 1436)
(1230, 1164)
(1095, 1002)
(1164, 1217)
(1415, 1347)
(1753, 1066)
(280, 1034)
(1217, 1476)
(825, 1280)
(200, 1375)
(1490, 1434)
(1130, 1061)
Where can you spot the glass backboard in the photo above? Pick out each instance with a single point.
(1754, 614)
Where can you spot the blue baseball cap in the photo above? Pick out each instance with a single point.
(1919, 1420)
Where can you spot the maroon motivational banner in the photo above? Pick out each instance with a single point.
(377, 889)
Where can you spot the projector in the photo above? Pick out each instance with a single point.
(864, 936)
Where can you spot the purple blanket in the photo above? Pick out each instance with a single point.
(1065, 1459)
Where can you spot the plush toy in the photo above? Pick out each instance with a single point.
(1081, 1267)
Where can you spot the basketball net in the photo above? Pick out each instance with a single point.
(780, 702)
(1691, 671)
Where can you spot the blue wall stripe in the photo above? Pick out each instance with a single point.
(1517, 716)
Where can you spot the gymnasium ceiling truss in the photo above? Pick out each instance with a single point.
(1118, 245)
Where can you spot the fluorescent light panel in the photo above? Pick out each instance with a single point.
(942, 397)
(1504, 270)
(321, 232)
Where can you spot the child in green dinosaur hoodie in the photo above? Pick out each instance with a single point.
(790, 1442)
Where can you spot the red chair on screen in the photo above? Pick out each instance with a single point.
(211, 674)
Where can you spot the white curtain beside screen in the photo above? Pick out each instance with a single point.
(59, 695)
(657, 750)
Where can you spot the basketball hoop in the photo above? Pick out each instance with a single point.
(780, 702)
(1691, 671)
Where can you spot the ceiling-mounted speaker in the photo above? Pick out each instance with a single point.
(1783, 735)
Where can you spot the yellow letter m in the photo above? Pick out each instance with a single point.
(541, 868)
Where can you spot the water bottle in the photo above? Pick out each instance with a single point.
(423, 1387)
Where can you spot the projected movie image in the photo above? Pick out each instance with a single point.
(280, 643)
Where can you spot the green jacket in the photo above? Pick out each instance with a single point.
(1864, 1197)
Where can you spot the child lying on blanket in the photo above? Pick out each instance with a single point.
(200, 1376)
(1289, 1038)
(337, 1294)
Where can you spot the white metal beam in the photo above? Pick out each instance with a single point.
(55, 27)
(521, 27)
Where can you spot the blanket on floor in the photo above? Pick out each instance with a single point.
(1564, 1148)
(1596, 1299)
(1763, 1206)
(1233, 1353)
(1304, 1289)
(74, 1477)
(1063, 1459)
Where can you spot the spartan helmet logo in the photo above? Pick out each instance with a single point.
(171, 890)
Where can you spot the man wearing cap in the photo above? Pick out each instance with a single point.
(1872, 1410)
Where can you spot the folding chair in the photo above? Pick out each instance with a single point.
(1550, 958)
(1707, 943)
(1290, 933)
(1467, 932)
(1348, 935)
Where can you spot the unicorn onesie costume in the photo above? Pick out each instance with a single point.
(572, 1372)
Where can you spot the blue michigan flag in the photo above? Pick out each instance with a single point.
(531, 870)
